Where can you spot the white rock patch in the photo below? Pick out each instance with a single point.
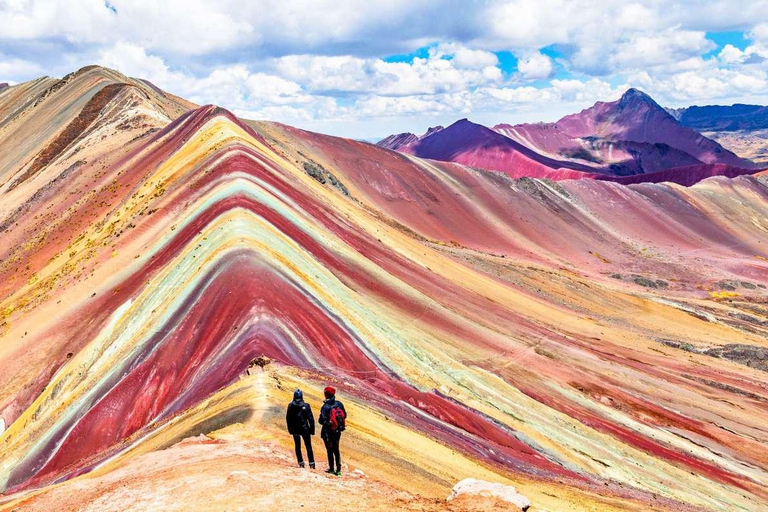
(483, 488)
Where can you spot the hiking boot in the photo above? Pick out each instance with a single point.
(311, 465)
(330, 471)
(301, 464)
(338, 473)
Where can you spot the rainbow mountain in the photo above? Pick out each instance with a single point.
(171, 273)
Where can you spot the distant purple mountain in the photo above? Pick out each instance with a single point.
(630, 137)
(633, 135)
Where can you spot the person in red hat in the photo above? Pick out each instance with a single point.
(333, 418)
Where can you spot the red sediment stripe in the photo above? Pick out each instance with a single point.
(644, 444)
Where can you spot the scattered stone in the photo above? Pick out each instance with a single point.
(323, 176)
(649, 283)
(494, 490)
(259, 362)
(616, 276)
(314, 172)
(748, 355)
(681, 345)
(748, 318)
(727, 285)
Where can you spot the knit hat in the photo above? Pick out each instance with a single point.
(329, 392)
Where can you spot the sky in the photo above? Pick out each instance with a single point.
(366, 69)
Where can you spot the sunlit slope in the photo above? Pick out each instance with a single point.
(208, 244)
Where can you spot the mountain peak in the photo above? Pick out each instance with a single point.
(431, 130)
(398, 140)
(634, 96)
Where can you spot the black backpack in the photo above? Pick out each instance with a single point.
(305, 417)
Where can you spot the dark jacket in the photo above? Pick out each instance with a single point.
(325, 413)
(299, 417)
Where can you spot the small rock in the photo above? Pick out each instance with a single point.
(258, 362)
(480, 487)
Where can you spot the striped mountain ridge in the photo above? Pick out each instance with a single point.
(520, 328)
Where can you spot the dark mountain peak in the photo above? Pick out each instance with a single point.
(431, 130)
(463, 122)
(634, 98)
(465, 127)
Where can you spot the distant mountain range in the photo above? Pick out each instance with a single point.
(632, 139)
(723, 118)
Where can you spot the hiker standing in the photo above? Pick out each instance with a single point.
(301, 425)
(333, 418)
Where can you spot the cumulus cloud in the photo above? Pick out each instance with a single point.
(13, 69)
(731, 55)
(642, 50)
(535, 67)
(713, 83)
(447, 68)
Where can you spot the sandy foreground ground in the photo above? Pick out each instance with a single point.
(205, 474)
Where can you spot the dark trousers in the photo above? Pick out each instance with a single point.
(332, 449)
(308, 444)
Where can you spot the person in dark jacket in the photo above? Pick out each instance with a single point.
(330, 436)
(301, 425)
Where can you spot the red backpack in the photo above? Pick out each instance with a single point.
(336, 418)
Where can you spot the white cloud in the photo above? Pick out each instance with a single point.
(13, 69)
(465, 58)
(666, 47)
(731, 55)
(133, 60)
(535, 67)
(251, 94)
(447, 68)
(321, 73)
(759, 33)
(696, 86)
